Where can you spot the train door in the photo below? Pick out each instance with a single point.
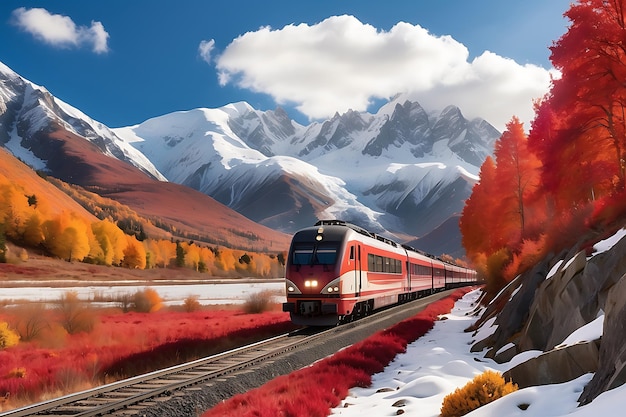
(408, 276)
(355, 256)
(432, 277)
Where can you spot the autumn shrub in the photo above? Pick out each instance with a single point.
(53, 337)
(147, 301)
(191, 304)
(7, 336)
(30, 320)
(75, 316)
(483, 389)
(258, 302)
(125, 301)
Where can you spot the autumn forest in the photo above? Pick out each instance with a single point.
(561, 183)
(113, 237)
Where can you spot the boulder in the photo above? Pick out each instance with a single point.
(611, 371)
(556, 366)
(513, 306)
(554, 314)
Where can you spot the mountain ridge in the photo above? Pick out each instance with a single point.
(382, 170)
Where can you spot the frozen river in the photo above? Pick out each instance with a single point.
(208, 293)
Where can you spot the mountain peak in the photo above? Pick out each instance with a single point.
(382, 171)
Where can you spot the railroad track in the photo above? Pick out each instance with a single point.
(119, 395)
(126, 396)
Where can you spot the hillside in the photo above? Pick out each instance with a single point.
(187, 213)
(19, 173)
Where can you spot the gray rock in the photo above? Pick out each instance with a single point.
(556, 366)
(612, 358)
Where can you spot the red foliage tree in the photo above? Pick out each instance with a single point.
(584, 116)
(517, 179)
(475, 224)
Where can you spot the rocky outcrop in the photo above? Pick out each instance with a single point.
(510, 310)
(545, 305)
(612, 358)
(556, 366)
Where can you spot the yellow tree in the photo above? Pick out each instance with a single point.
(192, 255)
(111, 240)
(134, 254)
(15, 211)
(66, 237)
(33, 232)
(167, 252)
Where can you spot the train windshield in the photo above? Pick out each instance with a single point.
(321, 254)
(302, 255)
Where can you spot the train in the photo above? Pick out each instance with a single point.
(338, 272)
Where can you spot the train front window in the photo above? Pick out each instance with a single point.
(326, 255)
(302, 255)
(321, 254)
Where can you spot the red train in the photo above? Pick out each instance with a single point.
(339, 272)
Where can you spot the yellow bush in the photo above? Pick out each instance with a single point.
(147, 301)
(16, 373)
(483, 389)
(7, 336)
(191, 304)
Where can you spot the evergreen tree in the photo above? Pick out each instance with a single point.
(180, 255)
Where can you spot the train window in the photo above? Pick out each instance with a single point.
(302, 255)
(371, 262)
(351, 253)
(326, 254)
(377, 263)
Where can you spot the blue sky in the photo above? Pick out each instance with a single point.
(122, 62)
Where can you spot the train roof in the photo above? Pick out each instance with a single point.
(360, 230)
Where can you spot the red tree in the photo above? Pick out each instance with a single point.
(518, 178)
(581, 136)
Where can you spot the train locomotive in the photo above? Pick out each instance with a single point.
(338, 272)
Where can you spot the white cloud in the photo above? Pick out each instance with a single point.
(205, 49)
(61, 31)
(341, 64)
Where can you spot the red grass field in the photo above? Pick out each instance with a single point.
(314, 390)
(122, 345)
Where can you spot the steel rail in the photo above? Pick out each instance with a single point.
(137, 381)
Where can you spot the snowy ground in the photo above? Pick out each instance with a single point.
(439, 362)
(207, 293)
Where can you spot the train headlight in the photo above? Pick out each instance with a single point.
(332, 289)
(310, 283)
(291, 288)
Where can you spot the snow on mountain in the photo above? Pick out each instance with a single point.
(403, 170)
(382, 171)
(199, 148)
(27, 110)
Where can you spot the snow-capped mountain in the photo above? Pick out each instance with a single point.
(27, 111)
(402, 171)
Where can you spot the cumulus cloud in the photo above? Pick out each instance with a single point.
(205, 49)
(61, 31)
(342, 63)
